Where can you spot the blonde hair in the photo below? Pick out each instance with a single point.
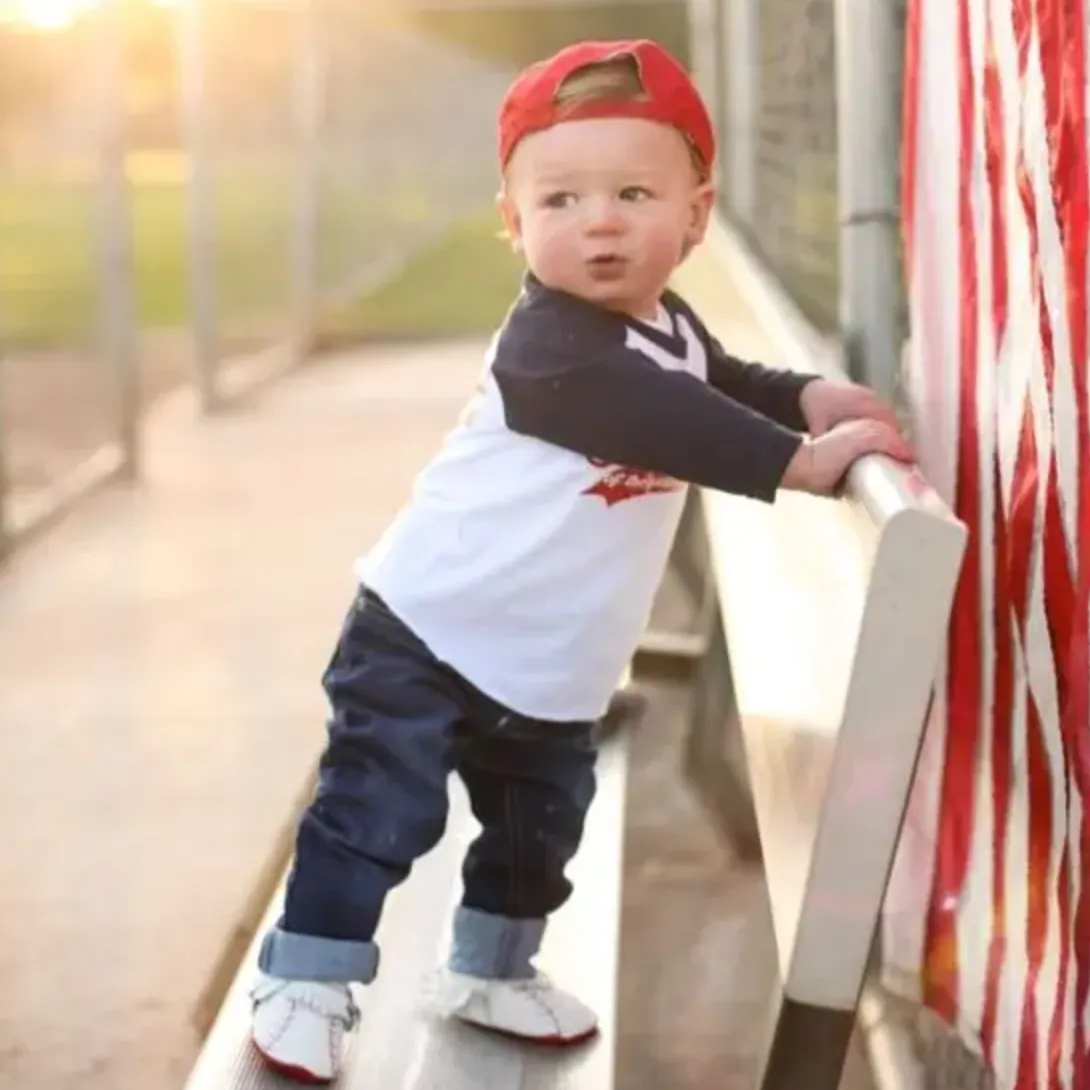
(617, 79)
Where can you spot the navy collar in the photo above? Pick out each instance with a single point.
(671, 340)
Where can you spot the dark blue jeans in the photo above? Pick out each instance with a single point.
(402, 722)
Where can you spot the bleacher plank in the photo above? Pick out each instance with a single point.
(834, 616)
(397, 1047)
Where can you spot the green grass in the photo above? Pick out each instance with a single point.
(49, 275)
(461, 284)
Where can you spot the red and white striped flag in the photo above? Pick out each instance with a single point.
(998, 836)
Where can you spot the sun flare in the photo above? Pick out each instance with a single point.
(53, 15)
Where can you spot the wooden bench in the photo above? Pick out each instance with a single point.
(814, 696)
(399, 1048)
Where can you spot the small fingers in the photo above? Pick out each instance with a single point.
(873, 407)
(876, 437)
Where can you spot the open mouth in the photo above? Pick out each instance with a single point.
(606, 266)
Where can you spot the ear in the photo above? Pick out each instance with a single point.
(703, 201)
(512, 223)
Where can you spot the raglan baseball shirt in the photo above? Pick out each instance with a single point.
(534, 542)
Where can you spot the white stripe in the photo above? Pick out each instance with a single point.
(1016, 866)
(975, 915)
(1053, 276)
(1040, 654)
(1055, 282)
(1015, 359)
(1042, 682)
(1041, 676)
(931, 371)
(693, 361)
(935, 277)
(1021, 352)
(1042, 671)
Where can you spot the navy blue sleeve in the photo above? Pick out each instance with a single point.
(594, 396)
(773, 393)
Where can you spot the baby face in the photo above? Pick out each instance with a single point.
(605, 209)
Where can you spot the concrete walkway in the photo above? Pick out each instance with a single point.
(160, 704)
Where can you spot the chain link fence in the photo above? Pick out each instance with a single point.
(343, 150)
(200, 192)
(769, 67)
(65, 286)
(197, 193)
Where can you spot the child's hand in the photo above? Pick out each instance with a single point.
(825, 404)
(819, 464)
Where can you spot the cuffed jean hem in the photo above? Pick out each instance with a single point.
(310, 957)
(494, 947)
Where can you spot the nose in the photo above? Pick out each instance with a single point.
(603, 217)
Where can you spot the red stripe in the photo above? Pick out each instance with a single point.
(1023, 513)
(1058, 592)
(1021, 20)
(1037, 892)
(1002, 765)
(1060, 28)
(941, 970)
(1003, 692)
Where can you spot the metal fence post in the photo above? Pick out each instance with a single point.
(868, 110)
(118, 319)
(742, 68)
(308, 92)
(200, 201)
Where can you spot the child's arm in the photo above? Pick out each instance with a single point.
(569, 379)
(621, 407)
(773, 393)
(804, 402)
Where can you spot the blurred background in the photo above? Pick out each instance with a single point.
(195, 196)
(186, 182)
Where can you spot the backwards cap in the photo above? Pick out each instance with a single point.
(535, 102)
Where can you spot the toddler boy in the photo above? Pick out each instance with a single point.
(497, 612)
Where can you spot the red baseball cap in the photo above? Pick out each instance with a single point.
(533, 102)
